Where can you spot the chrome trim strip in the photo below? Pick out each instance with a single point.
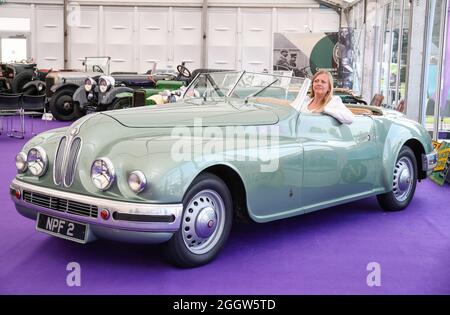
(75, 163)
(55, 160)
(112, 205)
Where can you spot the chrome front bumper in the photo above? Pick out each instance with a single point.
(429, 161)
(128, 220)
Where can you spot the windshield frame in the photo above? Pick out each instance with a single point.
(296, 103)
(108, 64)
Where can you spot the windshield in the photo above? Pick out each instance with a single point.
(244, 85)
(97, 64)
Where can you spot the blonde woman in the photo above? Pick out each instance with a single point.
(323, 101)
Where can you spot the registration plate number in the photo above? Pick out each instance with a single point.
(62, 228)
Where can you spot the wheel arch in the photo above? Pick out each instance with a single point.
(236, 186)
(66, 85)
(113, 94)
(418, 149)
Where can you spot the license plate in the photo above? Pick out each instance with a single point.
(63, 228)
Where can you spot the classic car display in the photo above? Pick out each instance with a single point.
(62, 84)
(236, 145)
(116, 91)
(119, 92)
(23, 78)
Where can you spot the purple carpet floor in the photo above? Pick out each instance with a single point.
(325, 252)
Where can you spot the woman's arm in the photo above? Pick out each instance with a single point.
(338, 110)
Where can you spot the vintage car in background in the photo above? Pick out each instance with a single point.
(349, 97)
(112, 92)
(235, 146)
(116, 91)
(62, 84)
(23, 78)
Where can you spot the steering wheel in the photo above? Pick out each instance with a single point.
(97, 68)
(183, 71)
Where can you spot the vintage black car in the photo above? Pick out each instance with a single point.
(62, 84)
(23, 78)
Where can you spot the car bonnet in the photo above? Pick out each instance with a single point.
(206, 113)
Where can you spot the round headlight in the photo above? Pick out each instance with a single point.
(105, 82)
(137, 181)
(102, 173)
(88, 84)
(37, 161)
(103, 86)
(21, 162)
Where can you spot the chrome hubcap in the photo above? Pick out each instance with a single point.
(206, 222)
(403, 178)
(203, 221)
(67, 105)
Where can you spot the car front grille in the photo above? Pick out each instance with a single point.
(60, 204)
(72, 160)
(59, 161)
(66, 161)
(138, 98)
(49, 82)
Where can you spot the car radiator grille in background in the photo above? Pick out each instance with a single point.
(66, 161)
(138, 99)
(49, 82)
(60, 204)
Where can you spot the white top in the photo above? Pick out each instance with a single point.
(334, 108)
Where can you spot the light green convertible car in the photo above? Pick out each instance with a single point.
(236, 146)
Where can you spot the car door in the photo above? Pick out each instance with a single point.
(340, 161)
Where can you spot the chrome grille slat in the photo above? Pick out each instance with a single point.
(60, 204)
(71, 163)
(59, 160)
(86, 213)
(66, 158)
(72, 208)
(79, 206)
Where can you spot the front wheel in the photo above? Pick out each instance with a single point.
(403, 183)
(63, 107)
(206, 223)
(120, 103)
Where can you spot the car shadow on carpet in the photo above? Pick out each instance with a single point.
(330, 220)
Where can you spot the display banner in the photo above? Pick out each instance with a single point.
(305, 53)
(441, 171)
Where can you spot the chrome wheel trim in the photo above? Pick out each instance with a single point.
(403, 178)
(203, 222)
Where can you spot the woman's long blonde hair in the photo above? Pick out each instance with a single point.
(330, 92)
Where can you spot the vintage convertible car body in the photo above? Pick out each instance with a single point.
(236, 146)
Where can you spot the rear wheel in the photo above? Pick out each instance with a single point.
(206, 223)
(403, 183)
(63, 107)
